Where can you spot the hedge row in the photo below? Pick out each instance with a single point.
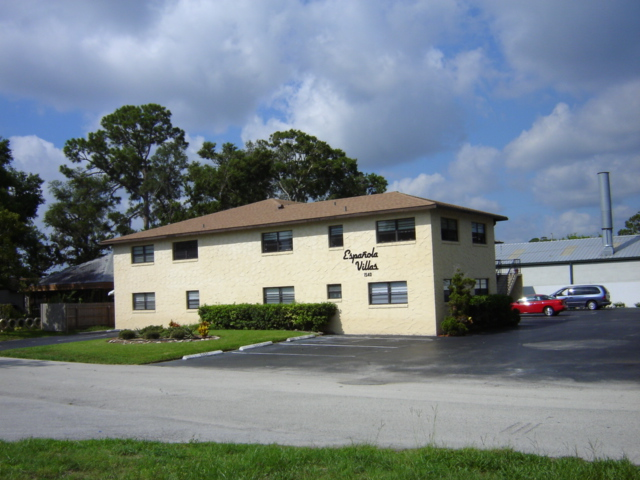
(492, 311)
(297, 316)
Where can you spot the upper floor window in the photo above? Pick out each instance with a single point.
(144, 301)
(478, 233)
(185, 250)
(388, 292)
(193, 299)
(335, 236)
(449, 228)
(395, 230)
(142, 254)
(277, 241)
(334, 291)
(279, 295)
(482, 286)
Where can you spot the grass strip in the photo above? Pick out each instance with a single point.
(103, 352)
(132, 459)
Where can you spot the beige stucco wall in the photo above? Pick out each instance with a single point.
(232, 269)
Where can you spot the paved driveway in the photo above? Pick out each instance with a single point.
(579, 345)
(562, 386)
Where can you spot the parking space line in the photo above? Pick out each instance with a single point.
(292, 354)
(334, 345)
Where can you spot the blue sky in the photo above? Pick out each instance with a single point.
(507, 106)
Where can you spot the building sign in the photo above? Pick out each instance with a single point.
(362, 261)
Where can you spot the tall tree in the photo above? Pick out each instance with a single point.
(124, 149)
(305, 168)
(233, 178)
(83, 215)
(632, 226)
(23, 251)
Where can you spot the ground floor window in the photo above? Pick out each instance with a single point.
(193, 299)
(334, 291)
(482, 286)
(447, 289)
(279, 295)
(144, 301)
(381, 293)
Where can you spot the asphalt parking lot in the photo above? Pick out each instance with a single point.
(579, 345)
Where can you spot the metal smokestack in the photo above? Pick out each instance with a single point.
(607, 216)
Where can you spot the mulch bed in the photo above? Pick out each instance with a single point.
(161, 340)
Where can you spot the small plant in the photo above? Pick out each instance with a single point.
(180, 333)
(173, 324)
(619, 305)
(453, 327)
(127, 334)
(203, 329)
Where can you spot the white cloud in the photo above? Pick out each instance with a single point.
(426, 186)
(35, 155)
(571, 45)
(367, 77)
(607, 124)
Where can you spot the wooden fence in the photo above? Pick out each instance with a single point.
(62, 317)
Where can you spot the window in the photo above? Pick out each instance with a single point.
(388, 292)
(335, 236)
(449, 230)
(447, 291)
(185, 250)
(144, 301)
(334, 291)
(193, 299)
(143, 254)
(478, 233)
(395, 230)
(277, 241)
(279, 295)
(482, 286)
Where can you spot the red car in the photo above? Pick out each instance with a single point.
(539, 304)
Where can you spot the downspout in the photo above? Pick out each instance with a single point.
(571, 274)
(607, 216)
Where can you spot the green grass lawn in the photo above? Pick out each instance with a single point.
(101, 351)
(129, 459)
(24, 334)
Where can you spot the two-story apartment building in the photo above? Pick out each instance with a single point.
(384, 259)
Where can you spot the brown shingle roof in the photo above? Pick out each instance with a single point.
(273, 212)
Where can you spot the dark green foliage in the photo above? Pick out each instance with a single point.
(141, 152)
(492, 311)
(23, 249)
(453, 327)
(632, 226)
(297, 316)
(127, 334)
(151, 332)
(9, 311)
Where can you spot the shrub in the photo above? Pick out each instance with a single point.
(492, 311)
(619, 305)
(180, 333)
(127, 334)
(8, 311)
(638, 305)
(453, 327)
(296, 316)
(151, 332)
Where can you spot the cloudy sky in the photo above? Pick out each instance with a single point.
(507, 106)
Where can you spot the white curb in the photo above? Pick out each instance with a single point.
(255, 345)
(303, 337)
(205, 354)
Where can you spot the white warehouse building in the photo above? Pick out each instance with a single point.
(545, 267)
